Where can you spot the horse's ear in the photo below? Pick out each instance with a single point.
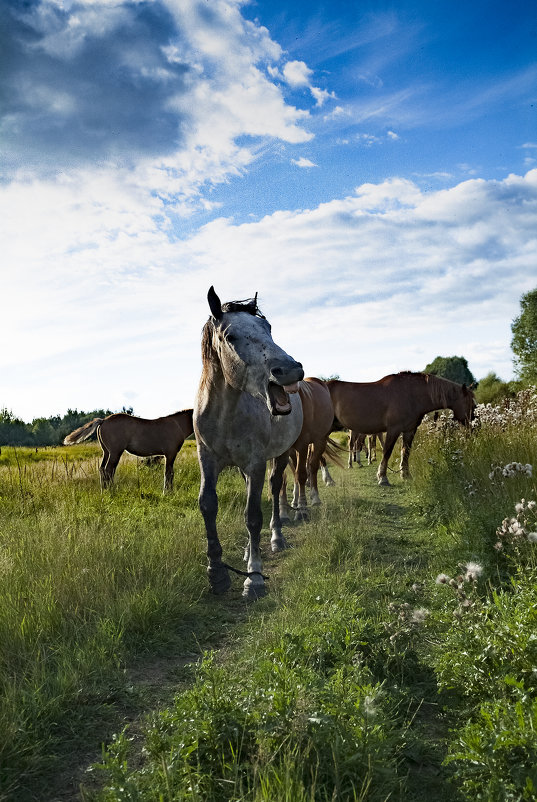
(214, 304)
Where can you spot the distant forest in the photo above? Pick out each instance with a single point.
(45, 431)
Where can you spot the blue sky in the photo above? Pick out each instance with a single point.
(369, 168)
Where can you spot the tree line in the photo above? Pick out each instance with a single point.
(44, 431)
(490, 389)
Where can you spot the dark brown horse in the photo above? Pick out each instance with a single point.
(396, 405)
(307, 452)
(139, 436)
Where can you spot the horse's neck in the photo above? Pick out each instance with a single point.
(216, 393)
(441, 397)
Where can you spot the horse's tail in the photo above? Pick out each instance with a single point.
(332, 451)
(83, 432)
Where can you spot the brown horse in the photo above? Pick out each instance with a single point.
(357, 441)
(139, 436)
(307, 451)
(396, 405)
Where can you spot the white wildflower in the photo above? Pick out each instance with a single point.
(532, 537)
(442, 579)
(473, 571)
(419, 615)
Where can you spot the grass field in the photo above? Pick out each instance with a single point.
(360, 676)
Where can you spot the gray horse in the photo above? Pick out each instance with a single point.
(247, 411)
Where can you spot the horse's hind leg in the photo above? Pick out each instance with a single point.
(276, 481)
(105, 469)
(325, 473)
(408, 437)
(107, 476)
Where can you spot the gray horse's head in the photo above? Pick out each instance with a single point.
(239, 337)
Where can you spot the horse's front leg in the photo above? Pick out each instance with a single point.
(285, 516)
(217, 574)
(254, 585)
(279, 465)
(389, 443)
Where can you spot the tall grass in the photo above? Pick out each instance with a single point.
(359, 676)
(86, 579)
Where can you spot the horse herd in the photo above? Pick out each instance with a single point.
(253, 406)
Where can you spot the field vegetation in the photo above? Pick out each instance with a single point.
(395, 656)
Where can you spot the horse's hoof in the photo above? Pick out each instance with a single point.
(253, 592)
(285, 519)
(330, 483)
(278, 544)
(302, 515)
(219, 580)
(383, 480)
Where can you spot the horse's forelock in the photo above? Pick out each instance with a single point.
(248, 305)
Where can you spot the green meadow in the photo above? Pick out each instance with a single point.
(394, 657)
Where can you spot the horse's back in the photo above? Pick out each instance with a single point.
(142, 437)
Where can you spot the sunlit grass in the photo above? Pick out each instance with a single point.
(358, 675)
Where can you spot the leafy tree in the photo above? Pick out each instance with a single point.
(454, 368)
(491, 389)
(524, 342)
(43, 432)
(13, 431)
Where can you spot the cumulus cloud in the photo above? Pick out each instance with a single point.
(297, 73)
(382, 280)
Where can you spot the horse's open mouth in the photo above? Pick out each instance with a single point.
(278, 396)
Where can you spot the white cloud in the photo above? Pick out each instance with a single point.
(338, 111)
(386, 279)
(321, 95)
(161, 90)
(303, 162)
(297, 73)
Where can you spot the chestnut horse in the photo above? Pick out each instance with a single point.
(396, 405)
(247, 411)
(307, 452)
(139, 436)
